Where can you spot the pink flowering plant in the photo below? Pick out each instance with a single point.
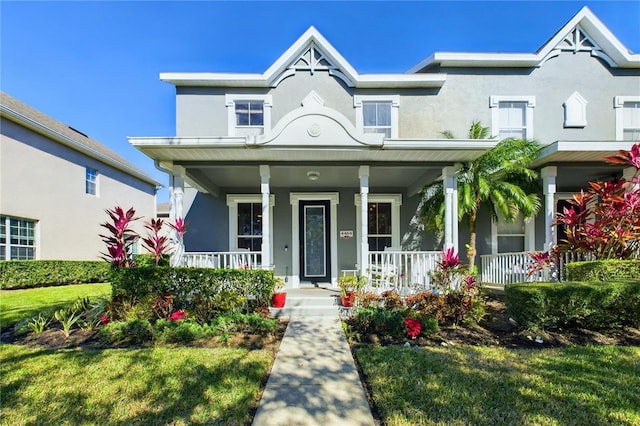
(120, 238)
(155, 243)
(449, 271)
(604, 221)
(177, 315)
(413, 327)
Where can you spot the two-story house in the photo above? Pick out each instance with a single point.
(315, 169)
(55, 184)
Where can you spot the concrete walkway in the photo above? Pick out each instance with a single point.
(314, 380)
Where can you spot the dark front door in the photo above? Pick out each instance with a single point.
(315, 255)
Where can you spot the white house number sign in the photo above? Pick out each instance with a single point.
(346, 234)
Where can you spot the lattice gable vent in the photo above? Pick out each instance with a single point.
(577, 40)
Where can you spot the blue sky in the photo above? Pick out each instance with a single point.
(95, 65)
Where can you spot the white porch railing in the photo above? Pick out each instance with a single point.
(227, 260)
(404, 271)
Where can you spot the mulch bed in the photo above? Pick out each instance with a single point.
(54, 338)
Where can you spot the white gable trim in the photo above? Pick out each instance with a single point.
(609, 48)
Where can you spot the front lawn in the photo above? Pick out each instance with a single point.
(495, 385)
(131, 386)
(16, 305)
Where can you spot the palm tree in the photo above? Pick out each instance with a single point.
(499, 178)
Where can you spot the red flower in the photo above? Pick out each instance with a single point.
(104, 319)
(177, 315)
(413, 327)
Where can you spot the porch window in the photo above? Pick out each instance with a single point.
(512, 117)
(380, 232)
(91, 181)
(513, 237)
(245, 221)
(249, 233)
(17, 239)
(377, 114)
(248, 115)
(627, 118)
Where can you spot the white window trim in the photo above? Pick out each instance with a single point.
(36, 236)
(395, 106)
(529, 235)
(396, 202)
(618, 104)
(494, 103)
(230, 102)
(232, 202)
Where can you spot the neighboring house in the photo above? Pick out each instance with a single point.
(281, 163)
(55, 184)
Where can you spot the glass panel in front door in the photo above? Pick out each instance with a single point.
(314, 241)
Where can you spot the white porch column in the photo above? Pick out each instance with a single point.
(363, 174)
(549, 174)
(176, 210)
(450, 207)
(266, 217)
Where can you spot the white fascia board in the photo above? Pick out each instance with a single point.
(69, 142)
(215, 79)
(456, 59)
(452, 144)
(582, 146)
(400, 80)
(218, 142)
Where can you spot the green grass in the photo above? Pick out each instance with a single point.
(130, 386)
(16, 305)
(591, 385)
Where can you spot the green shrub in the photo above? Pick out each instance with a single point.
(124, 333)
(590, 305)
(603, 270)
(202, 291)
(15, 274)
(181, 331)
(382, 321)
(148, 260)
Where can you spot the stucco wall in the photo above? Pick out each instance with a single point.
(44, 181)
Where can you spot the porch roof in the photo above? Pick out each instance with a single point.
(580, 151)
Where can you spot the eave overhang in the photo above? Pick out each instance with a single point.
(580, 151)
(40, 128)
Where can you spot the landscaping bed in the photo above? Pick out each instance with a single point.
(496, 330)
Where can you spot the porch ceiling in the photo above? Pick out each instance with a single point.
(216, 177)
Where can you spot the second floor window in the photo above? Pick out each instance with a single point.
(513, 120)
(377, 117)
(249, 118)
(91, 181)
(631, 121)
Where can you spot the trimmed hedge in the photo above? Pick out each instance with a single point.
(590, 305)
(16, 274)
(193, 288)
(604, 270)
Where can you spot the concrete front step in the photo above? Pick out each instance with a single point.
(312, 301)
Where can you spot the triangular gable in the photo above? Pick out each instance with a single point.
(584, 32)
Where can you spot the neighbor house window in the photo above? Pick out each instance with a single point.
(91, 181)
(377, 114)
(245, 219)
(627, 118)
(17, 238)
(248, 115)
(512, 117)
(513, 237)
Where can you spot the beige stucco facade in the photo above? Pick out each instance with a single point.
(43, 180)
